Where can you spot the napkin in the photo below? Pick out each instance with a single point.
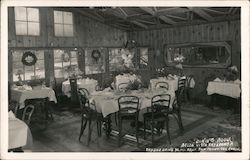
(217, 80)
(237, 81)
(11, 115)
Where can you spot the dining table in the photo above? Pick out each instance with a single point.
(22, 93)
(106, 102)
(19, 134)
(226, 88)
(172, 82)
(89, 84)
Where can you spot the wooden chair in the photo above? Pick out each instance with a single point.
(128, 110)
(88, 114)
(180, 93)
(74, 93)
(14, 107)
(159, 113)
(27, 113)
(162, 84)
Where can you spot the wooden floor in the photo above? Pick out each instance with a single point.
(61, 135)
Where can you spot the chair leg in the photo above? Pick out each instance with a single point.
(167, 128)
(137, 129)
(180, 120)
(89, 133)
(144, 128)
(115, 118)
(82, 129)
(120, 132)
(152, 133)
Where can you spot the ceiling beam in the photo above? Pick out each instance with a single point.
(214, 11)
(131, 21)
(201, 13)
(123, 11)
(146, 21)
(163, 18)
(167, 20)
(176, 17)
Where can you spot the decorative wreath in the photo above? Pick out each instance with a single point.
(29, 58)
(96, 55)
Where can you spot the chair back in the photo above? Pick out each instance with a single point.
(128, 104)
(182, 82)
(162, 84)
(14, 107)
(188, 81)
(73, 85)
(160, 104)
(83, 95)
(122, 86)
(27, 113)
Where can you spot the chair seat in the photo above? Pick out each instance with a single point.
(128, 116)
(157, 116)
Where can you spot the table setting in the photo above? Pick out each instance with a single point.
(24, 92)
(88, 83)
(224, 87)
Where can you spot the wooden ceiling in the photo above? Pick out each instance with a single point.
(144, 18)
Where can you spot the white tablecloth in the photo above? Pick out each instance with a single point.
(173, 83)
(19, 133)
(89, 84)
(107, 102)
(229, 89)
(21, 95)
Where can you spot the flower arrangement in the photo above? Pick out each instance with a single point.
(134, 85)
(179, 58)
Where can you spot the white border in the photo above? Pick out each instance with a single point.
(244, 4)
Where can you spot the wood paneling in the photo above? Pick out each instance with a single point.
(221, 31)
(87, 33)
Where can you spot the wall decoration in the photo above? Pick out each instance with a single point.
(96, 55)
(29, 58)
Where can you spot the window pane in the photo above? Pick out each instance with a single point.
(20, 14)
(40, 71)
(94, 65)
(121, 59)
(33, 14)
(58, 65)
(58, 30)
(33, 28)
(29, 72)
(21, 28)
(143, 57)
(68, 18)
(58, 17)
(68, 30)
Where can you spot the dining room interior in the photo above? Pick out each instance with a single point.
(124, 79)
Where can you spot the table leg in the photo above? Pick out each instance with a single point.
(107, 125)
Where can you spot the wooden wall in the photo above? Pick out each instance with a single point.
(221, 31)
(87, 33)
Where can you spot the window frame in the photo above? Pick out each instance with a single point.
(27, 22)
(226, 44)
(76, 49)
(54, 23)
(11, 50)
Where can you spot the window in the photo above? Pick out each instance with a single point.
(28, 72)
(95, 61)
(63, 23)
(217, 54)
(121, 59)
(27, 21)
(65, 63)
(143, 57)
